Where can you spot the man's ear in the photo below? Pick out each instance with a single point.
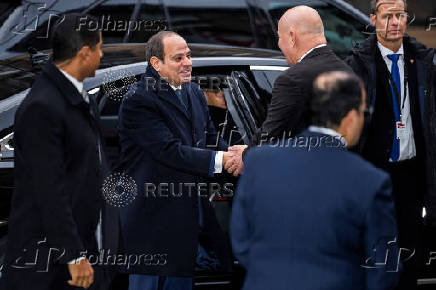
(347, 122)
(372, 17)
(84, 52)
(292, 38)
(155, 63)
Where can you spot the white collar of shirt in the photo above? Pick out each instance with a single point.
(176, 88)
(386, 51)
(76, 83)
(310, 50)
(327, 131)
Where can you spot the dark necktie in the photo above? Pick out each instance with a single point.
(182, 98)
(93, 109)
(395, 72)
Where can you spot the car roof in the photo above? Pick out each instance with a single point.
(128, 60)
(125, 53)
(137, 68)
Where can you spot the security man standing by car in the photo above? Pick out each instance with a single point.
(303, 43)
(399, 134)
(57, 206)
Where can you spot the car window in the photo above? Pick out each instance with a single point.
(220, 22)
(341, 30)
(6, 9)
(129, 21)
(256, 89)
(29, 25)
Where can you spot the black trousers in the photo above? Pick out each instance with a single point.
(408, 186)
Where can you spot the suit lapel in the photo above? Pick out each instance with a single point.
(195, 107)
(168, 95)
(69, 91)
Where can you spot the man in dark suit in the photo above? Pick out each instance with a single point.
(302, 42)
(169, 146)
(400, 133)
(309, 214)
(57, 204)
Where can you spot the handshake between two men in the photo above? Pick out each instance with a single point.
(232, 159)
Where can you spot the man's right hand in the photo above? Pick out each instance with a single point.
(82, 274)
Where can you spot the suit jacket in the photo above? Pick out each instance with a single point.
(162, 144)
(311, 218)
(376, 142)
(288, 113)
(58, 181)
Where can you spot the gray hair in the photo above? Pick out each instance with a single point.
(374, 6)
(155, 45)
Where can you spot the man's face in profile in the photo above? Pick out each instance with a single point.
(285, 42)
(94, 58)
(390, 20)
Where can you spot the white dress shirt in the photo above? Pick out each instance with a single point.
(407, 146)
(310, 50)
(218, 165)
(77, 84)
(327, 131)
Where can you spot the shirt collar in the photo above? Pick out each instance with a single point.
(386, 51)
(310, 50)
(176, 88)
(76, 83)
(327, 131)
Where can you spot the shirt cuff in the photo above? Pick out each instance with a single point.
(218, 162)
(76, 261)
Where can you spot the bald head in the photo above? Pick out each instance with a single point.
(300, 29)
(305, 20)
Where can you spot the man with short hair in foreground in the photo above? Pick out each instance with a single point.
(309, 214)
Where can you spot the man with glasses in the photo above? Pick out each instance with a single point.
(399, 133)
